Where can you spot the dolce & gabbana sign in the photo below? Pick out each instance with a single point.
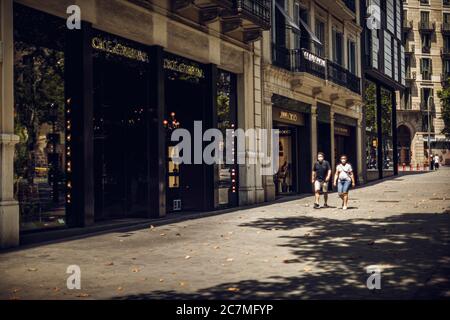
(117, 48)
(181, 67)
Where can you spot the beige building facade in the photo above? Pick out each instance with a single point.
(316, 81)
(427, 33)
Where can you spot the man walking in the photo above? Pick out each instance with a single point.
(321, 175)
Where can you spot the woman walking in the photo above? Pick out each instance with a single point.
(343, 178)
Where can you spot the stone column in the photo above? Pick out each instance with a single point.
(257, 100)
(313, 131)
(269, 186)
(360, 154)
(246, 117)
(332, 142)
(9, 207)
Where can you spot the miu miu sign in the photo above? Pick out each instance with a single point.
(119, 49)
(314, 59)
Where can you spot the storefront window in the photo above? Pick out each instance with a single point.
(386, 129)
(371, 126)
(227, 173)
(39, 162)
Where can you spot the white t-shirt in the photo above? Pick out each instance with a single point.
(344, 171)
(436, 159)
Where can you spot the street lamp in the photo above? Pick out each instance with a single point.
(429, 102)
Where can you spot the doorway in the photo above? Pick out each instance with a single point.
(185, 103)
(345, 143)
(121, 99)
(285, 179)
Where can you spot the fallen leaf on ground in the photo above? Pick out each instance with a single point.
(162, 234)
(187, 257)
(135, 270)
(109, 264)
(230, 259)
(216, 247)
(233, 289)
(83, 295)
(32, 269)
(161, 280)
(119, 289)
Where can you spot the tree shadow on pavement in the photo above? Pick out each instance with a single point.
(409, 248)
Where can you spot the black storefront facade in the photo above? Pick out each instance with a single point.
(119, 102)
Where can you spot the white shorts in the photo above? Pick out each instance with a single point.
(320, 186)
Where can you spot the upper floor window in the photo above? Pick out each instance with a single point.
(320, 33)
(446, 17)
(424, 1)
(426, 42)
(424, 16)
(305, 40)
(351, 46)
(426, 68)
(337, 47)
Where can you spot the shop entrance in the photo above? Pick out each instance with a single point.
(345, 143)
(120, 139)
(185, 98)
(285, 179)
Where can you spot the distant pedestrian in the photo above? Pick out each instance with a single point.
(343, 178)
(431, 162)
(436, 162)
(321, 175)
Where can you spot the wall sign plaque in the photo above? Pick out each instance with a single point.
(287, 116)
(341, 130)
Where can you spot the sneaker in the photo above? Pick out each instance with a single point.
(326, 205)
(344, 208)
(316, 206)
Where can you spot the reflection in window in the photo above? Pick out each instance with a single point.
(386, 128)
(371, 126)
(39, 162)
(226, 120)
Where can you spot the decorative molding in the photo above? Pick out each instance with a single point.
(229, 25)
(209, 15)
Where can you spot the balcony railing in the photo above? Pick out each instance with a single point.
(445, 78)
(445, 53)
(409, 48)
(407, 25)
(445, 28)
(410, 76)
(256, 9)
(427, 26)
(302, 60)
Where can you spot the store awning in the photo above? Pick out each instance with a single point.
(295, 26)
